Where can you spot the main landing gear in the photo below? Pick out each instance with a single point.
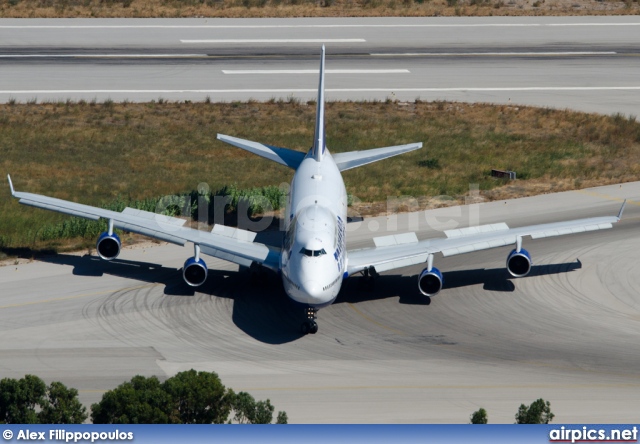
(310, 325)
(369, 276)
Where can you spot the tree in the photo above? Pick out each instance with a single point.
(56, 404)
(61, 406)
(198, 398)
(479, 417)
(187, 398)
(244, 407)
(248, 411)
(539, 412)
(140, 401)
(19, 398)
(282, 418)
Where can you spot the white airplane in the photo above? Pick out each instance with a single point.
(313, 260)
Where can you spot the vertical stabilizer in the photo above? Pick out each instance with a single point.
(318, 140)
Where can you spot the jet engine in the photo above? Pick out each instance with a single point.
(519, 263)
(108, 246)
(194, 271)
(430, 281)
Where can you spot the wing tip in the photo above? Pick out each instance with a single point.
(13, 191)
(622, 209)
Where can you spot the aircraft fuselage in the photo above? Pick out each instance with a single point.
(314, 259)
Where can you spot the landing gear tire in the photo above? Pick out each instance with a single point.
(309, 327)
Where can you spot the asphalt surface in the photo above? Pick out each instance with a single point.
(567, 333)
(584, 63)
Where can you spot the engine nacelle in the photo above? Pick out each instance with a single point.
(519, 263)
(430, 282)
(194, 272)
(108, 246)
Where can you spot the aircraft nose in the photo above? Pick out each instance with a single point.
(313, 290)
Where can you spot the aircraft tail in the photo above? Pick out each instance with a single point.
(318, 140)
(293, 159)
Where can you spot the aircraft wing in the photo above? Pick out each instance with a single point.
(227, 243)
(353, 159)
(403, 250)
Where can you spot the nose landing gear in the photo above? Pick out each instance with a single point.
(310, 325)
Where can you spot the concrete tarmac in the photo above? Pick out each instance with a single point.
(568, 333)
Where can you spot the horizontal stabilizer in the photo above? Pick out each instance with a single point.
(282, 156)
(353, 159)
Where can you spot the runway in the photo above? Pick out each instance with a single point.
(583, 63)
(567, 333)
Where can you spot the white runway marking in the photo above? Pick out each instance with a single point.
(311, 90)
(315, 71)
(420, 25)
(27, 56)
(276, 41)
(408, 54)
(440, 54)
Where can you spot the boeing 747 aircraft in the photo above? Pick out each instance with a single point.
(313, 260)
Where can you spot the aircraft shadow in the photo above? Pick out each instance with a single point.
(358, 289)
(261, 308)
(499, 279)
(88, 265)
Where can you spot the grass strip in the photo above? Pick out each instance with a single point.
(311, 8)
(132, 154)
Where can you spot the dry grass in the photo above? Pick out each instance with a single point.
(311, 8)
(93, 153)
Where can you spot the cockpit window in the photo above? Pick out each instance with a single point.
(313, 253)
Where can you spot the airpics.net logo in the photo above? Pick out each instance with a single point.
(587, 434)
